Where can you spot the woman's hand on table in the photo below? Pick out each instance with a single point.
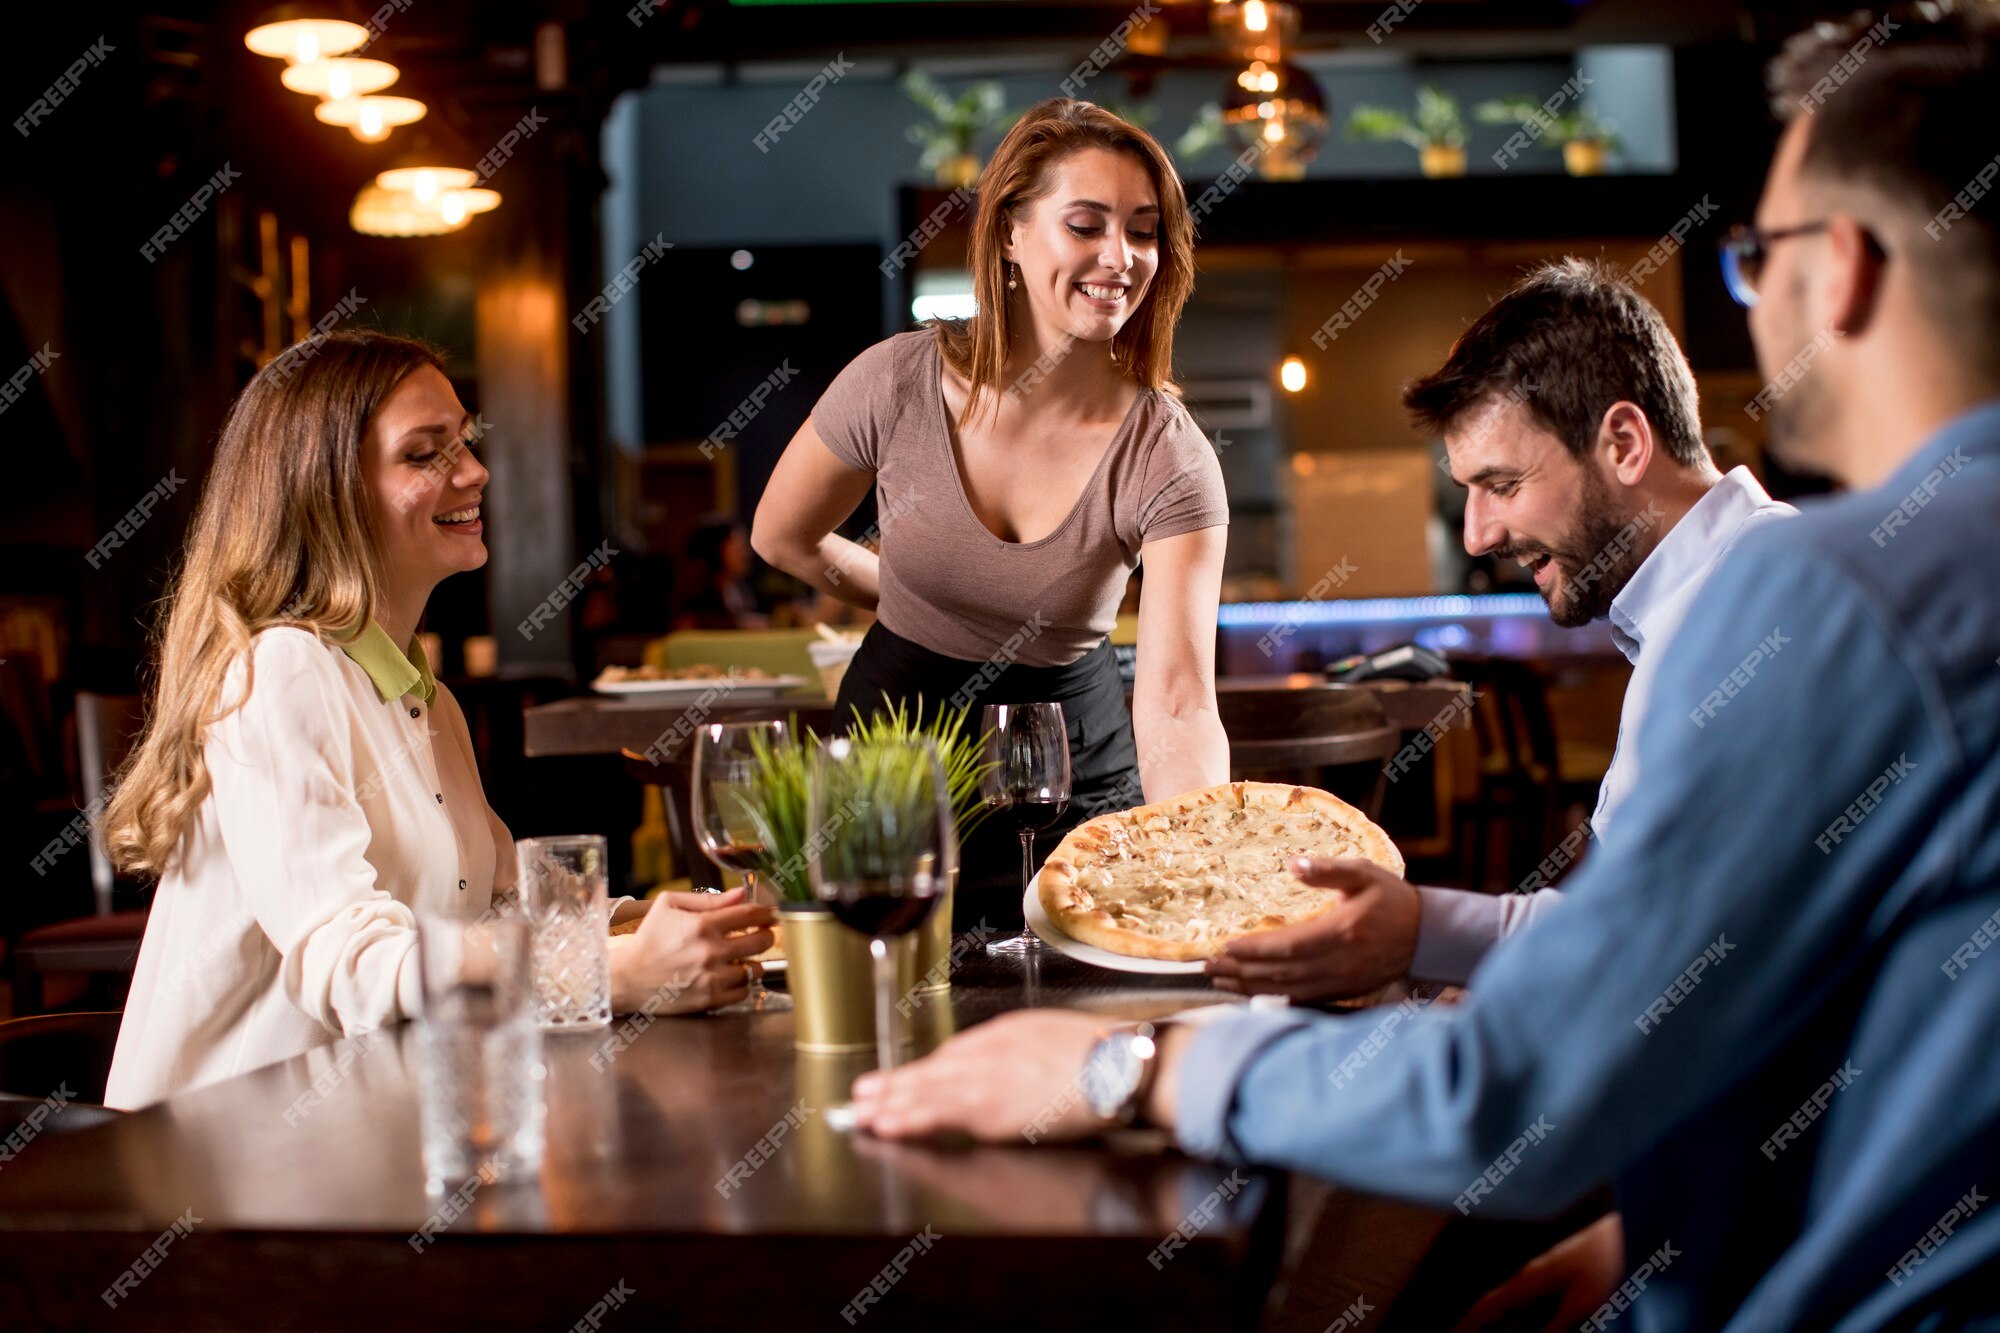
(691, 952)
(1365, 942)
(1011, 1079)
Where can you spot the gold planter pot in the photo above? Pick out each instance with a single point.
(1584, 157)
(1441, 160)
(932, 964)
(832, 980)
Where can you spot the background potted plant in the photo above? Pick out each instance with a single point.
(1437, 131)
(1584, 136)
(954, 124)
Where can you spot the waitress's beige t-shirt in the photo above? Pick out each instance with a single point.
(946, 581)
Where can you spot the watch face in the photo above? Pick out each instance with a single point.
(1111, 1073)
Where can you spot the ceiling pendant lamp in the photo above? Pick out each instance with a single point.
(1254, 29)
(370, 118)
(1277, 108)
(339, 77)
(302, 34)
(380, 212)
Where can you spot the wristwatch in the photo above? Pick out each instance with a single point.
(1118, 1073)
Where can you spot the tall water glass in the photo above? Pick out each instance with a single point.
(480, 1074)
(563, 886)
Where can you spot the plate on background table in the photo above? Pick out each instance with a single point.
(732, 687)
(1053, 936)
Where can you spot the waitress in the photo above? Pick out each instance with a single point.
(1026, 460)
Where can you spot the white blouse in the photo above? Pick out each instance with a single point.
(287, 919)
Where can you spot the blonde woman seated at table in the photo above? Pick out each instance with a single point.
(301, 793)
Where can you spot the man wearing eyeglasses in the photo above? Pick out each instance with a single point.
(1764, 1012)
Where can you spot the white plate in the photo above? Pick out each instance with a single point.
(729, 688)
(1053, 936)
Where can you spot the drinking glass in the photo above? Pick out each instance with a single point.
(727, 825)
(882, 848)
(563, 886)
(1027, 783)
(480, 1075)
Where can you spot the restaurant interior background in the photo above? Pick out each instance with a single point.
(693, 214)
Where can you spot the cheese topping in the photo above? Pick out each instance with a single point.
(1212, 872)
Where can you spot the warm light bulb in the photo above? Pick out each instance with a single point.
(369, 127)
(1292, 374)
(1254, 17)
(453, 209)
(425, 187)
(339, 83)
(306, 49)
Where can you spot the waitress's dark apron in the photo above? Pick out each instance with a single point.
(1103, 760)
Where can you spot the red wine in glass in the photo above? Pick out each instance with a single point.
(1028, 814)
(1027, 783)
(883, 849)
(742, 857)
(725, 827)
(880, 910)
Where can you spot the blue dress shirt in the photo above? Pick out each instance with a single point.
(1766, 1012)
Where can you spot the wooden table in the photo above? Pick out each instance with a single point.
(599, 724)
(307, 1207)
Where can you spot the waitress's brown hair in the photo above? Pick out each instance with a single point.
(1017, 176)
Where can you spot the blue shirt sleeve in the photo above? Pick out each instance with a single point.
(1683, 953)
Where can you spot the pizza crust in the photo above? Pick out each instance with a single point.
(1178, 879)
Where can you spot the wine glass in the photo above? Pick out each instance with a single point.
(883, 846)
(1027, 781)
(725, 821)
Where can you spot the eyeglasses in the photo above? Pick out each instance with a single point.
(1744, 252)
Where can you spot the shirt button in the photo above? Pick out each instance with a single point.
(416, 712)
(461, 884)
(440, 797)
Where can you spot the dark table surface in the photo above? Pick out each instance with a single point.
(603, 724)
(305, 1191)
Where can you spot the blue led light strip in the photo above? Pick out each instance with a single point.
(1370, 610)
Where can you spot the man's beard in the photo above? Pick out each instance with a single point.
(1800, 420)
(1797, 427)
(1593, 564)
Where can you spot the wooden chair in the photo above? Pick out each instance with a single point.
(105, 945)
(56, 1054)
(1519, 770)
(1285, 734)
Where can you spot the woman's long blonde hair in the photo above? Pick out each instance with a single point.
(1020, 174)
(284, 535)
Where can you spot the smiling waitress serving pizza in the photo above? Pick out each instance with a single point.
(1026, 460)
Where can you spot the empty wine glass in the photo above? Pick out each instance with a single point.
(1026, 782)
(725, 822)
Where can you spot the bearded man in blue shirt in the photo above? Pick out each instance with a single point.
(1765, 1013)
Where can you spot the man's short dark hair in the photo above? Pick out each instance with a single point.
(1902, 104)
(1567, 342)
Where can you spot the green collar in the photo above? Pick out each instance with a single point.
(395, 673)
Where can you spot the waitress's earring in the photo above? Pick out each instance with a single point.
(1013, 280)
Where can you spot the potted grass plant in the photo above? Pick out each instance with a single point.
(1436, 131)
(830, 965)
(1584, 137)
(962, 755)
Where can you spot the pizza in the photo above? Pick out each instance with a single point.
(1181, 878)
(618, 675)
